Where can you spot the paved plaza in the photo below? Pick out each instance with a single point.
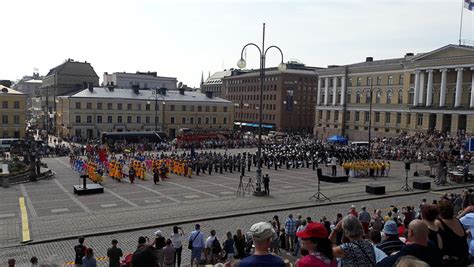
(55, 213)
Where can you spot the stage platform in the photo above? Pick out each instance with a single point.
(334, 179)
(89, 190)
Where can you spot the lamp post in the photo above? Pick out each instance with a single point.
(370, 118)
(282, 67)
(156, 96)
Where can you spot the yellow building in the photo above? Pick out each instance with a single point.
(90, 112)
(422, 92)
(12, 113)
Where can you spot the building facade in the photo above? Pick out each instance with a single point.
(12, 113)
(92, 111)
(423, 92)
(288, 98)
(140, 79)
(214, 83)
(30, 85)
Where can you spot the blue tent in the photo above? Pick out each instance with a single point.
(337, 139)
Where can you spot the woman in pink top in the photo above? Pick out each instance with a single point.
(315, 240)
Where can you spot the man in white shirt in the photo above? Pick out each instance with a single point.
(197, 238)
(211, 253)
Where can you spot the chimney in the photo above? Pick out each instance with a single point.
(409, 55)
(136, 89)
(181, 91)
(209, 94)
(369, 59)
(162, 91)
(90, 86)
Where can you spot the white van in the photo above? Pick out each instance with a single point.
(6, 143)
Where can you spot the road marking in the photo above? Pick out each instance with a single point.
(72, 197)
(191, 196)
(109, 205)
(152, 201)
(226, 193)
(7, 215)
(59, 210)
(158, 193)
(25, 227)
(29, 205)
(288, 186)
(192, 189)
(122, 198)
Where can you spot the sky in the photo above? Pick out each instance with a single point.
(184, 38)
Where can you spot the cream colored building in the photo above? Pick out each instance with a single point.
(422, 92)
(89, 112)
(12, 113)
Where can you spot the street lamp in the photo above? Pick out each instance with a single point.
(282, 67)
(371, 90)
(156, 96)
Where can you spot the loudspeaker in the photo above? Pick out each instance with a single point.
(407, 165)
(375, 189)
(319, 172)
(421, 185)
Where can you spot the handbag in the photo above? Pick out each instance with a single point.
(190, 245)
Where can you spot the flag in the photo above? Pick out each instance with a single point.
(469, 4)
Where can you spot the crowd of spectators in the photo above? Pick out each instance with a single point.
(426, 234)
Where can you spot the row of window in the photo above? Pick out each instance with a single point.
(6, 120)
(129, 119)
(138, 106)
(254, 116)
(5, 105)
(376, 118)
(368, 81)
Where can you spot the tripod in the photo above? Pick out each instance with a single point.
(249, 187)
(240, 189)
(406, 187)
(319, 196)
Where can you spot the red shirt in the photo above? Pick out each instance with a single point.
(313, 261)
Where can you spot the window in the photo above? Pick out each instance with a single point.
(157, 120)
(224, 120)
(320, 116)
(172, 119)
(183, 120)
(366, 116)
(328, 114)
(109, 106)
(119, 106)
(348, 97)
(225, 109)
(208, 108)
(419, 119)
(89, 119)
(411, 96)
(214, 109)
(336, 115)
(358, 96)
(367, 96)
(99, 106)
(350, 82)
(191, 120)
(78, 105)
(89, 105)
(16, 119)
(369, 80)
(199, 108)
(378, 96)
(139, 119)
(400, 79)
(147, 107)
(379, 80)
(99, 119)
(172, 107)
(139, 106)
(348, 115)
(390, 80)
(338, 97)
(183, 108)
(377, 116)
(129, 119)
(387, 117)
(119, 119)
(214, 120)
(78, 119)
(399, 118)
(389, 96)
(5, 104)
(400, 96)
(109, 119)
(199, 120)
(357, 116)
(129, 106)
(147, 119)
(408, 118)
(192, 108)
(16, 104)
(207, 120)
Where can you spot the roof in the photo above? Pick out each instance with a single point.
(145, 94)
(71, 67)
(8, 90)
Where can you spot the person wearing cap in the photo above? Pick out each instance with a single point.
(315, 240)
(391, 243)
(159, 243)
(262, 234)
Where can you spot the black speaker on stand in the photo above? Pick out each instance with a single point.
(406, 187)
(319, 196)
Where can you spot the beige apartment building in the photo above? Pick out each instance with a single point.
(90, 112)
(12, 113)
(422, 92)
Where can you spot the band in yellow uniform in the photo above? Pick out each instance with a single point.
(92, 172)
(372, 168)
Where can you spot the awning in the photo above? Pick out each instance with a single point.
(254, 125)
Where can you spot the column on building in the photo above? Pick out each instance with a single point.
(471, 103)
(422, 88)
(326, 91)
(458, 95)
(334, 91)
(442, 92)
(343, 89)
(429, 89)
(417, 88)
(318, 98)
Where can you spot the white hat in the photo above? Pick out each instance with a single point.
(158, 233)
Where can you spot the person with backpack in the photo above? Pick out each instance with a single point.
(196, 244)
(80, 252)
(213, 248)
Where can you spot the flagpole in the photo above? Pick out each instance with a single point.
(460, 25)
